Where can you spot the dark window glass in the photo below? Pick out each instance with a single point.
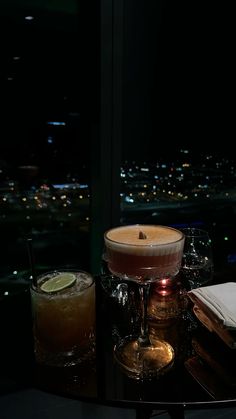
(48, 98)
(178, 167)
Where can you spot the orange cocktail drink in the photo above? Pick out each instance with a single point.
(144, 252)
(63, 308)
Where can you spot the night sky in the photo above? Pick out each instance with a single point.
(186, 65)
(178, 78)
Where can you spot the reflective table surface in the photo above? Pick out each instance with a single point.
(203, 374)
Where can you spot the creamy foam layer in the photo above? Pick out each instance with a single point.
(159, 240)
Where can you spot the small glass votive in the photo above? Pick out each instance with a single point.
(165, 303)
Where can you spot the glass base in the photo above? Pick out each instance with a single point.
(144, 362)
(75, 356)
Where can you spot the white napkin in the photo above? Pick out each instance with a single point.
(220, 300)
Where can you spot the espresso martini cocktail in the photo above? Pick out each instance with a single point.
(144, 252)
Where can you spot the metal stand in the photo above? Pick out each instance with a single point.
(174, 413)
(142, 413)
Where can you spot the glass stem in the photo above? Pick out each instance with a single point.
(144, 296)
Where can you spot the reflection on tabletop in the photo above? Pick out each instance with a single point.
(203, 370)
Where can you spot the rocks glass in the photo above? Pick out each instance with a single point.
(63, 308)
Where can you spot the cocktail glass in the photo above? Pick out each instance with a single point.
(197, 263)
(63, 308)
(143, 254)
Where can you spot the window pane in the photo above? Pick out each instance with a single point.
(178, 167)
(49, 104)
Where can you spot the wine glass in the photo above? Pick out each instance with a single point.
(197, 262)
(144, 254)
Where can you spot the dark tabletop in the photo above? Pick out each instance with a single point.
(203, 372)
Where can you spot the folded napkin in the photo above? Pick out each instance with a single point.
(218, 304)
(227, 335)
